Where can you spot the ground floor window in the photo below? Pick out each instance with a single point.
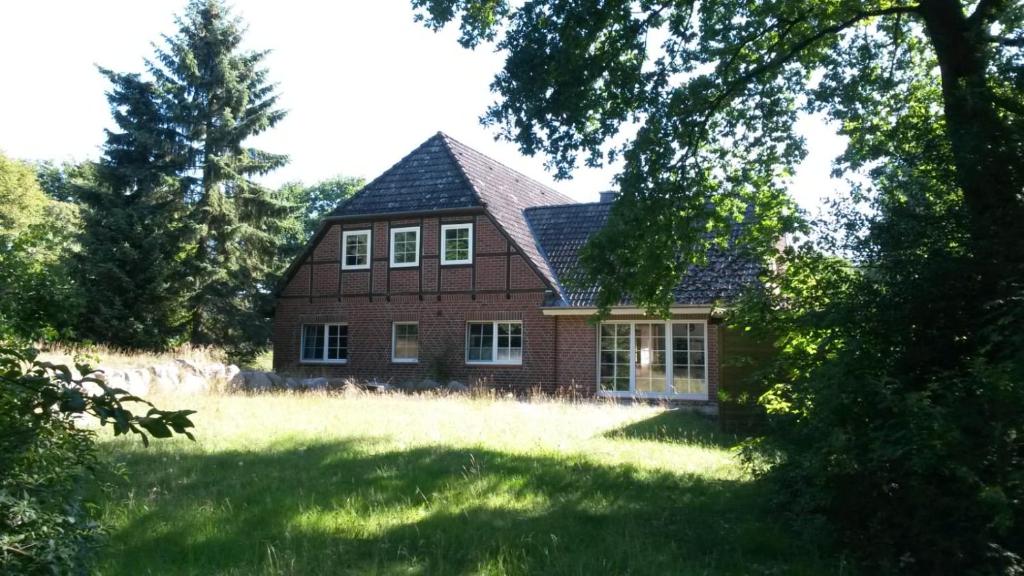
(405, 342)
(325, 343)
(654, 358)
(498, 342)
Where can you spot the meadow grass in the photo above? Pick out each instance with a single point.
(322, 484)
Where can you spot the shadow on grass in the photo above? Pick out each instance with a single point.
(333, 508)
(678, 427)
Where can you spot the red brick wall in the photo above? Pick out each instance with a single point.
(498, 285)
(442, 333)
(559, 352)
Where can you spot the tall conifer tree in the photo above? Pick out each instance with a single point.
(184, 132)
(218, 96)
(132, 225)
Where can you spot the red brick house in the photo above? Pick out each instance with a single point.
(452, 266)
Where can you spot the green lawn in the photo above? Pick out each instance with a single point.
(315, 484)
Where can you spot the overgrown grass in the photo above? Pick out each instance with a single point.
(112, 357)
(109, 356)
(316, 484)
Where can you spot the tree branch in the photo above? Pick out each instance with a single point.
(984, 11)
(1017, 42)
(795, 50)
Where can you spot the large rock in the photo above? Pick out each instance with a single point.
(165, 377)
(230, 371)
(253, 381)
(137, 381)
(193, 384)
(456, 386)
(188, 367)
(315, 383)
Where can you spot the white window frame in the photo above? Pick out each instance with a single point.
(669, 363)
(444, 252)
(391, 250)
(394, 343)
(344, 249)
(494, 344)
(327, 331)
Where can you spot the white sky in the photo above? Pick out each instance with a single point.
(363, 84)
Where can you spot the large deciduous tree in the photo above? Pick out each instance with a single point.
(38, 298)
(897, 394)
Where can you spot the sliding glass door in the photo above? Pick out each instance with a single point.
(653, 359)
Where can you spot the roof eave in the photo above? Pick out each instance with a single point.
(629, 310)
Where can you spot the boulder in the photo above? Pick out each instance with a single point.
(188, 367)
(428, 384)
(276, 381)
(314, 384)
(165, 377)
(137, 381)
(214, 372)
(230, 371)
(254, 381)
(193, 384)
(456, 386)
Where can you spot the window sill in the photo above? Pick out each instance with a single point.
(411, 265)
(456, 262)
(400, 361)
(652, 395)
(321, 362)
(343, 267)
(505, 364)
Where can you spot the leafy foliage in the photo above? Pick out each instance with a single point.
(320, 199)
(38, 297)
(896, 396)
(47, 456)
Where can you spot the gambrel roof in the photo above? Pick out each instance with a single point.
(443, 174)
(547, 227)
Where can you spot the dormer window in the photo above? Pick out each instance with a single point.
(456, 244)
(405, 247)
(356, 246)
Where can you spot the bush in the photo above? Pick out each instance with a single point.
(916, 471)
(47, 459)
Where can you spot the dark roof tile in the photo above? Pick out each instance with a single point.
(561, 232)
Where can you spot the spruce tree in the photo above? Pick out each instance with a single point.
(132, 228)
(181, 230)
(218, 96)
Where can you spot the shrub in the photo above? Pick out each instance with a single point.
(47, 459)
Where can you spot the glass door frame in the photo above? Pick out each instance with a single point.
(669, 344)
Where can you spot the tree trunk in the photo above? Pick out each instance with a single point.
(989, 162)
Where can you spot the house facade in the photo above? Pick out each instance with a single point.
(452, 266)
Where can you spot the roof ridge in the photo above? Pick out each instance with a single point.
(448, 138)
(573, 205)
(366, 187)
(462, 169)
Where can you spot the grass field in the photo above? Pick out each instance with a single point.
(316, 484)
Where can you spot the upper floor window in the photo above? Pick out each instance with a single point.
(405, 247)
(356, 247)
(457, 244)
(325, 343)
